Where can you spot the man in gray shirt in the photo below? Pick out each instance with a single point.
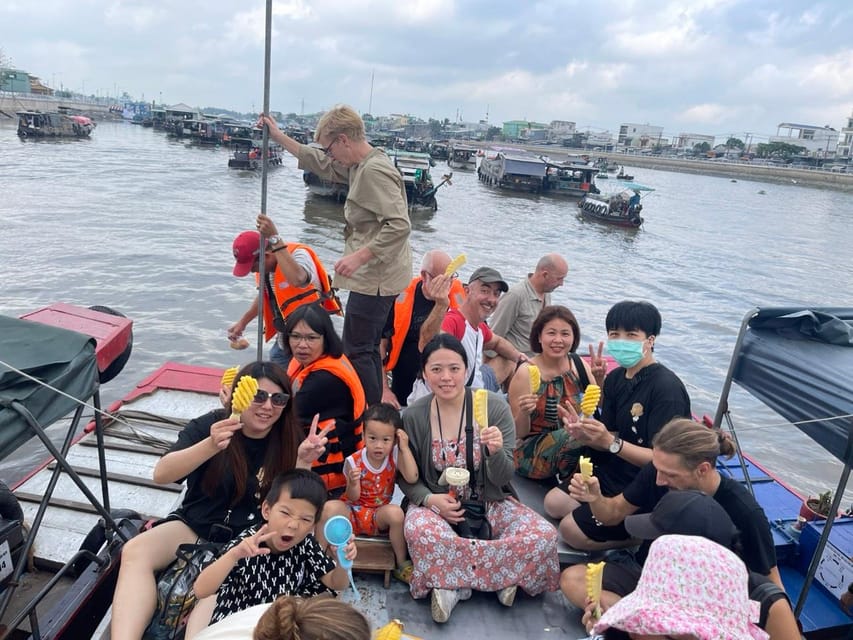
(518, 308)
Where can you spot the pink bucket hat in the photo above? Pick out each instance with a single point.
(689, 585)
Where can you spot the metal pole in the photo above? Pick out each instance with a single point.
(264, 162)
(827, 527)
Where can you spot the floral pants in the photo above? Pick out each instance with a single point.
(523, 552)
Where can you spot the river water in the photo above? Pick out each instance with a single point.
(143, 224)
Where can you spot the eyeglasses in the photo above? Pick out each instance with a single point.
(328, 150)
(278, 399)
(309, 338)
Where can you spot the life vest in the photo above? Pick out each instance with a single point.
(403, 306)
(331, 469)
(289, 297)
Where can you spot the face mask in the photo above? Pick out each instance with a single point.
(627, 353)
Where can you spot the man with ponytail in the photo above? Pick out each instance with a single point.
(684, 456)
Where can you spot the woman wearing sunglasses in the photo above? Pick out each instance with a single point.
(327, 389)
(228, 464)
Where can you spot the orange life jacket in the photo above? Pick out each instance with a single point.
(403, 306)
(331, 469)
(289, 297)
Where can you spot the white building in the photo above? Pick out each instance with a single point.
(639, 136)
(845, 145)
(818, 141)
(689, 140)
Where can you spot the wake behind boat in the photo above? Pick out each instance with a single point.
(104, 474)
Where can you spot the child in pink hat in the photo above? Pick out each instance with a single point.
(690, 587)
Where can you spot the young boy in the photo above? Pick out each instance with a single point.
(371, 474)
(281, 557)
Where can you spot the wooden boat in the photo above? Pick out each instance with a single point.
(461, 156)
(573, 179)
(40, 124)
(246, 154)
(621, 209)
(415, 168)
(438, 150)
(512, 169)
(108, 468)
(325, 188)
(622, 175)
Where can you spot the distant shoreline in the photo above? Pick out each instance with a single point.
(760, 173)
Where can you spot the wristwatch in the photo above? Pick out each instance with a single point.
(615, 446)
(274, 240)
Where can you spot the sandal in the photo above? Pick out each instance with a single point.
(403, 573)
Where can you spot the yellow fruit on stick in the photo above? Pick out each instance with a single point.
(586, 467)
(535, 378)
(590, 399)
(228, 376)
(243, 395)
(391, 631)
(481, 408)
(454, 265)
(594, 571)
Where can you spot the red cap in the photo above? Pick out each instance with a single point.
(247, 247)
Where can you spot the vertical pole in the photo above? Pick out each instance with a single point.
(264, 167)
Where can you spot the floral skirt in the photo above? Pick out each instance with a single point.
(523, 553)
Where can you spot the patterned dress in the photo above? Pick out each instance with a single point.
(548, 449)
(523, 551)
(261, 579)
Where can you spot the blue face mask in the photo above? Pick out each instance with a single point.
(627, 353)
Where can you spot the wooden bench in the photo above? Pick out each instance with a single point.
(375, 555)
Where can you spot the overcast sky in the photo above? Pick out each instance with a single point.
(698, 66)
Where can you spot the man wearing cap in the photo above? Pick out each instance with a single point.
(295, 276)
(513, 318)
(468, 323)
(685, 512)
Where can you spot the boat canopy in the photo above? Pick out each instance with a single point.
(799, 362)
(635, 186)
(61, 358)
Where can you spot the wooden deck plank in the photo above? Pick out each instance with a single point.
(123, 478)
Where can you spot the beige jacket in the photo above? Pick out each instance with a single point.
(377, 217)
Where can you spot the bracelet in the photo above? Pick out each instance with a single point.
(284, 246)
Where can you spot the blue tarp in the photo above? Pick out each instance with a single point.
(799, 362)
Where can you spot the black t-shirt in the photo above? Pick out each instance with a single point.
(759, 552)
(199, 510)
(409, 362)
(643, 492)
(637, 409)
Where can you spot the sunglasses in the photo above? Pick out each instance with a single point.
(278, 399)
(328, 150)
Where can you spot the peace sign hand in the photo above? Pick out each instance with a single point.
(251, 546)
(597, 363)
(314, 445)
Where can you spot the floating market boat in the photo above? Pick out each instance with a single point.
(246, 154)
(621, 209)
(40, 124)
(512, 169)
(461, 156)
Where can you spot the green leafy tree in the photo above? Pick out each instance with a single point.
(780, 150)
(735, 143)
(436, 129)
(701, 148)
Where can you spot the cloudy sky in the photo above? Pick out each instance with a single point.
(700, 66)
